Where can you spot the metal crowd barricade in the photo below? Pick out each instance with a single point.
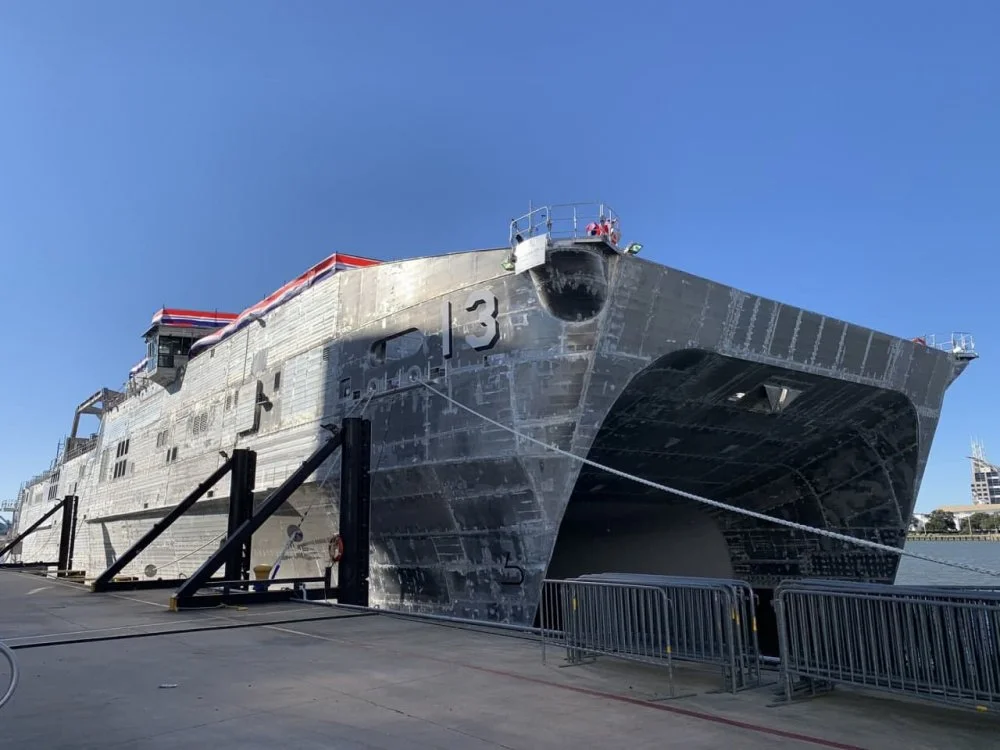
(598, 618)
(713, 621)
(932, 642)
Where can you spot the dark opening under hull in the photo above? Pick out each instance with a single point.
(844, 459)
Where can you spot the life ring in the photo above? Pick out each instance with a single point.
(336, 548)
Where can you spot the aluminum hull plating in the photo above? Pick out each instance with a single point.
(633, 364)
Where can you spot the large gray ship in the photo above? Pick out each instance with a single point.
(564, 335)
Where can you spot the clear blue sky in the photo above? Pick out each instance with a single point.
(840, 156)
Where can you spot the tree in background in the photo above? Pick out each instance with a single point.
(983, 521)
(940, 522)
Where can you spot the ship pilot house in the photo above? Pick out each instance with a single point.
(170, 337)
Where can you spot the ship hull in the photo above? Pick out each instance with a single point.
(643, 368)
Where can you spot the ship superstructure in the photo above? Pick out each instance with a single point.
(564, 336)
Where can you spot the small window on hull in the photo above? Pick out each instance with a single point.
(398, 346)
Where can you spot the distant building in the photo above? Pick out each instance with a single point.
(985, 477)
(985, 489)
(7, 507)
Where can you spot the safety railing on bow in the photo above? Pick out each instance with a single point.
(713, 621)
(959, 343)
(600, 618)
(931, 642)
(567, 221)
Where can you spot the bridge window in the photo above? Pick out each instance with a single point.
(168, 347)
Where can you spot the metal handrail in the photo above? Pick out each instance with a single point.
(562, 221)
(959, 342)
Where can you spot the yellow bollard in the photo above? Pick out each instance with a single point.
(261, 573)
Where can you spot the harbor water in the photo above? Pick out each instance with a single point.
(979, 554)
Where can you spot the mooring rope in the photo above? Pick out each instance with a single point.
(714, 503)
(358, 410)
(15, 673)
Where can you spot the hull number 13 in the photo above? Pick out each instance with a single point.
(482, 307)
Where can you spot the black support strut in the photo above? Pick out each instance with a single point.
(105, 581)
(240, 511)
(28, 531)
(187, 595)
(67, 535)
(355, 507)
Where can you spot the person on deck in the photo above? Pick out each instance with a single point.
(597, 228)
(611, 230)
(604, 228)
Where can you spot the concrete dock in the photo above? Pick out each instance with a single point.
(121, 671)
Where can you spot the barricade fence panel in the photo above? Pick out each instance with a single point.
(710, 621)
(595, 618)
(937, 643)
(713, 622)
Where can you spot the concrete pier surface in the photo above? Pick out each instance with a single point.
(120, 671)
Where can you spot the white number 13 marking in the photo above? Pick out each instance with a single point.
(487, 307)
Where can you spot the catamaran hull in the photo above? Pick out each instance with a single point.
(657, 373)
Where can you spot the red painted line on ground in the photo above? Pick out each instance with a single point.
(690, 713)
